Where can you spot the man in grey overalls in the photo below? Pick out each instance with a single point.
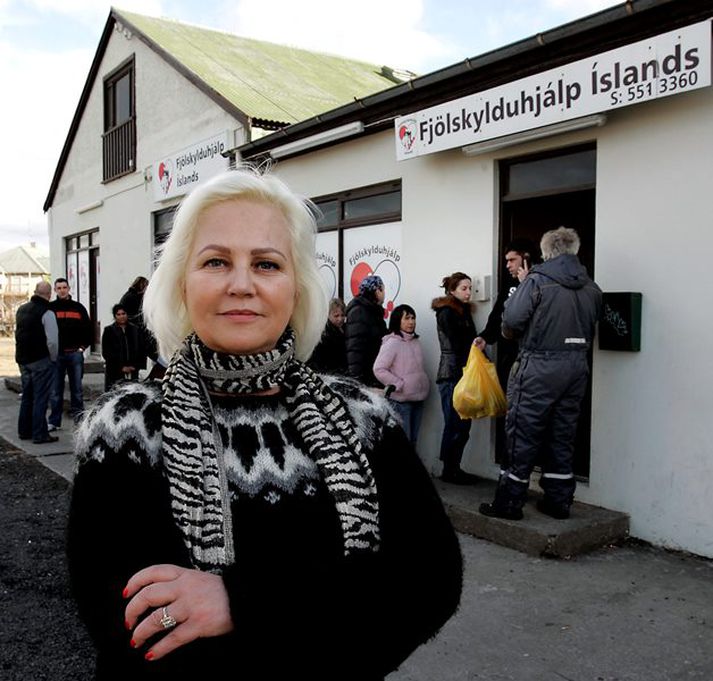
(554, 312)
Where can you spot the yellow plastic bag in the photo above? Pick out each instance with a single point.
(478, 393)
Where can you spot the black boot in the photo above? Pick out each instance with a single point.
(504, 505)
(456, 476)
(495, 511)
(557, 511)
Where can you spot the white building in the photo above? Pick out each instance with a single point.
(161, 104)
(604, 124)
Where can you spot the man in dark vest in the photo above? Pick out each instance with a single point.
(75, 335)
(36, 343)
(553, 312)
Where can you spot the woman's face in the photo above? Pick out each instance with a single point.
(240, 288)
(121, 318)
(380, 294)
(337, 317)
(463, 290)
(408, 322)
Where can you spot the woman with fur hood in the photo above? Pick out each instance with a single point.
(456, 332)
(399, 366)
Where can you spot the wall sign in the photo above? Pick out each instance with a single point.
(327, 253)
(375, 249)
(178, 173)
(620, 325)
(664, 65)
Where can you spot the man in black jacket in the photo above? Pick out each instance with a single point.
(554, 312)
(36, 354)
(75, 335)
(519, 253)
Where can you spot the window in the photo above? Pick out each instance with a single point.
(162, 226)
(348, 220)
(119, 138)
(364, 206)
(573, 170)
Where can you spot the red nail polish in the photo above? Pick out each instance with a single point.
(132, 643)
(148, 656)
(127, 626)
(125, 593)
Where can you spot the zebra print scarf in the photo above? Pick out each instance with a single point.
(192, 446)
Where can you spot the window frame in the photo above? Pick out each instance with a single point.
(342, 224)
(369, 191)
(114, 165)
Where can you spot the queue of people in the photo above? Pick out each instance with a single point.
(543, 329)
(274, 441)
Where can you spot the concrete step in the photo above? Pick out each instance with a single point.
(588, 528)
(94, 364)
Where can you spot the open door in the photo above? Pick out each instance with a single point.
(543, 192)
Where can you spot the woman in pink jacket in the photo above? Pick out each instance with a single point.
(399, 366)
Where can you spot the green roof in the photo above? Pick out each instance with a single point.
(268, 82)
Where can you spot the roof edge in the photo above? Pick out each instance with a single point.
(79, 111)
(114, 16)
(390, 97)
(221, 101)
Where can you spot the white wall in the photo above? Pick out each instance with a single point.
(171, 114)
(651, 448)
(651, 451)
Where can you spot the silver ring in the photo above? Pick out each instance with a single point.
(168, 621)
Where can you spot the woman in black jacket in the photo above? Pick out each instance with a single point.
(122, 349)
(456, 332)
(364, 330)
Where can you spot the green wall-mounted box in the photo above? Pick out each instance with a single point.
(620, 325)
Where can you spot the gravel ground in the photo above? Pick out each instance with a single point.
(41, 636)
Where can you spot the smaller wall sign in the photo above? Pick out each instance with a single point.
(620, 326)
(178, 173)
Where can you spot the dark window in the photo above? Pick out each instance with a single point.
(573, 171)
(119, 138)
(364, 206)
(162, 226)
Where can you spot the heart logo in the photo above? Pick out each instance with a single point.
(165, 175)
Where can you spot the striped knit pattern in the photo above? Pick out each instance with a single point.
(197, 479)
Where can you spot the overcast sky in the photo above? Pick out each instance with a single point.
(46, 49)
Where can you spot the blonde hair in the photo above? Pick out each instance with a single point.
(164, 306)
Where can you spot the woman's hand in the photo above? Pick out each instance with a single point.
(196, 600)
(480, 343)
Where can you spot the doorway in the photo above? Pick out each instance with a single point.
(543, 192)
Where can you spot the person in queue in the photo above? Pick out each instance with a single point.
(399, 367)
(247, 514)
(364, 329)
(330, 354)
(456, 333)
(554, 313)
(122, 349)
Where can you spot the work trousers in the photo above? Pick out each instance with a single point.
(545, 393)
